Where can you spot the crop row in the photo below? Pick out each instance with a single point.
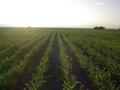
(38, 77)
(16, 66)
(103, 68)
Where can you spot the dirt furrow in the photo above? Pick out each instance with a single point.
(80, 74)
(53, 75)
(27, 75)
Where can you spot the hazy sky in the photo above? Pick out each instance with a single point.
(74, 13)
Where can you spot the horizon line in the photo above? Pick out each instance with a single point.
(53, 27)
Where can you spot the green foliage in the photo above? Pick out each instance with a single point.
(69, 80)
(99, 28)
(14, 65)
(97, 51)
(38, 77)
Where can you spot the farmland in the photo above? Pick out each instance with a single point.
(59, 59)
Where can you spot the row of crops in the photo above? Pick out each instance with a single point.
(59, 59)
(100, 54)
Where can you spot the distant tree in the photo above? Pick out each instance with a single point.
(118, 28)
(29, 26)
(100, 27)
(95, 27)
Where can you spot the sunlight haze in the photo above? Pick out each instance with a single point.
(60, 13)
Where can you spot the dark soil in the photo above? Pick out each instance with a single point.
(53, 74)
(81, 75)
(23, 51)
(27, 75)
(10, 51)
(19, 56)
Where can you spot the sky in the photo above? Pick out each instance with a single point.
(60, 13)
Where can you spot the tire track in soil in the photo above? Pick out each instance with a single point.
(53, 75)
(81, 75)
(27, 75)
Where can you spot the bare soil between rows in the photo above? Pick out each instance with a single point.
(53, 75)
(27, 75)
(81, 75)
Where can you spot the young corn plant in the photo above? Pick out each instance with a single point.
(38, 77)
(69, 80)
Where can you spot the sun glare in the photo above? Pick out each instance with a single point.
(51, 13)
(45, 13)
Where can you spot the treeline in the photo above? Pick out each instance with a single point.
(100, 27)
